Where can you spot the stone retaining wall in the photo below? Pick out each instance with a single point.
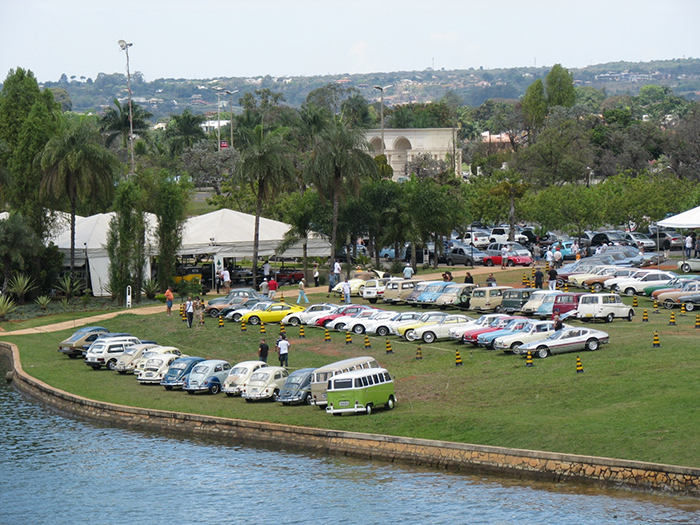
(457, 456)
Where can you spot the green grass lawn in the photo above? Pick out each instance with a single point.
(633, 401)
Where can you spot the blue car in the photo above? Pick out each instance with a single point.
(297, 388)
(545, 310)
(178, 371)
(431, 293)
(516, 325)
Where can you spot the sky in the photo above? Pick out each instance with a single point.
(201, 39)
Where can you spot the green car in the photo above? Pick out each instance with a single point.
(672, 284)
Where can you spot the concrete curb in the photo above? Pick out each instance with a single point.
(439, 454)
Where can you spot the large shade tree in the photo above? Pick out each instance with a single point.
(77, 166)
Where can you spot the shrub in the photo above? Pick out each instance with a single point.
(189, 288)
(397, 267)
(69, 286)
(7, 306)
(43, 301)
(160, 297)
(20, 285)
(150, 287)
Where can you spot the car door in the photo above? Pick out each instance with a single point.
(568, 342)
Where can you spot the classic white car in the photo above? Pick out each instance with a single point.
(440, 330)
(313, 311)
(140, 363)
(156, 368)
(207, 376)
(131, 356)
(689, 265)
(357, 282)
(384, 326)
(358, 324)
(259, 307)
(533, 331)
(636, 285)
(608, 306)
(374, 288)
(456, 332)
(265, 384)
(239, 375)
(570, 339)
(339, 322)
(107, 352)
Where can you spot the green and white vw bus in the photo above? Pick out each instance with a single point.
(320, 378)
(360, 391)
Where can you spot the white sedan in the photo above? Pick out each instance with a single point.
(384, 327)
(637, 285)
(440, 330)
(533, 331)
(297, 318)
(358, 325)
(457, 331)
(339, 322)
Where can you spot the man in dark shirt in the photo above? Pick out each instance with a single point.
(552, 274)
(263, 351)
(539, 278)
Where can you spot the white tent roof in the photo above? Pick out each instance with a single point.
(687, 219)
(230, 233)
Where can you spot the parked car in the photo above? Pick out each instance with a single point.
(178, 371)
(320, 377)
(339, 322)
(472, 336)
(689, 265)
(596, 281)
(384, 327)
(407, 330)
(571, 339)
(349, 309)
(73, 346)
(357, 282)
(288, 275)
(266, 383)
(214, 310)
(674, 238)
(463, 256)
(639, 239)
(514, 299)
(518, 256)
(274, 313)
(207, 376)
(260, 306)
(430, 333)
(655, 290)
(360, 391)
(241, 275)
(130, 358)
(390, 253)
(398, 291)
(239, 375)
(297, 388)
(456, 333)
(487, 298)
(486, 339)
(140, 363)
(607, 306)
(566, 304)
(535, 301)
(228, 312)
(478, 238)
(532, 331)
(455, 294)
(112, 335)
(691, 302)
(608, 238)
(156, 368)
(431, 292)
(238, 292)
(374, 288)
(637, 283)
(107, 352)
(298, 318)
(358, 324)
(500, 235)
(674, 298)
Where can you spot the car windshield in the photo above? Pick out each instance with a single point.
(434, 287)
(548, 298)
(556, 335)
(294, 380)
(261, 306)
(130, 351)
(177, 365)
(259, 376)
(238, 370)
(518, 247)
(200, 369)
(516, 324)
(154, 363)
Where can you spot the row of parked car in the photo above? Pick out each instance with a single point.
(349, 386)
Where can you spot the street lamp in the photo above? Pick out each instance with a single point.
(125, 47)
(381, 109)
(221, 91)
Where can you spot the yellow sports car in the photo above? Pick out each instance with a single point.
(407, 329)
(272, 314)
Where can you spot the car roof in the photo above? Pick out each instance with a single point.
(359, 373)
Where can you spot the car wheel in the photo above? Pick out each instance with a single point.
(339, 326)
(326, 323)
(609, 318)
(514, 346)
(542, 352)
(510, 263)
(382, 331)
(449, 262)
(669, 304)
(592, 345)
(630, 315)
(429, 337)
(689, 307)
(294, 321)
(615, 288)
(214, 389)
(111, 365)
(372, 301)
(686, 268)
(410, 335)
(96, 367)
(292, 280)
(390, 403)
(361, 291)
(214, 313)
(489, 262)
(597, 287)
(254, 320)
(236, 317)
(497, 309)
(308, 400)
(368, 409)
(168, 387)
(122, 372)
(358, 329)
(630, 291)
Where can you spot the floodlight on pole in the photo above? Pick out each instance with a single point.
(221, 91)
(125, 47)
(381, 109)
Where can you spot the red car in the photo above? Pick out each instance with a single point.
(470, 336)
(288, 275)
(513, 260)
(350, 309)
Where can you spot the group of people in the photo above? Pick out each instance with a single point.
(554, 254)
(691, 242)
(194, 311)
(281, 347)
(552, 276)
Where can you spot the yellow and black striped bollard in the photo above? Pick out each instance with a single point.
(657, 342)
(697, 321)
(282, 297)
(579, 365)
(302, 334)
(389, 350)
(243, 328)
(566, 287)
(221, 321)
(183, 317)
(682, 309)
(327, 336)
(262, 328)
(645, 316)
(458, 358)
(656, 307)
(283, 330)
(348, 339)
(635, 303)
(524, 282)
(528, 359)
(419, 354)
(367, 342)
(672, 320)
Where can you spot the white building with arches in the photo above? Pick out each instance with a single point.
(401, 145)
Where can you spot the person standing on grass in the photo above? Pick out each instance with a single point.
(263, 350)
(408, 271)
(272, 288)
(539, 278)
(283, 350)
(504, 256)
(666, 246)
(226, 277)
(169, 298)
(189, 311)
(688, 246)
(468, 279)
(302, 292)
(264, 288)
(552, 274)
(346, 291)
(316, 274)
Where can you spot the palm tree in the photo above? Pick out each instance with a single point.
(339, 160)
(266, 165)
(115, 122)
(77, 166)
(184, 131)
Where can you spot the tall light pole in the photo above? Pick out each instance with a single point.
(125, 47)
(381, 109)
(221, 91)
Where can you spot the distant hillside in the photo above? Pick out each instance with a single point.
(165, 96)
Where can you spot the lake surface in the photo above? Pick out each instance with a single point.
(57, 470)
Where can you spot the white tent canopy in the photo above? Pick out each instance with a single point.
(687, 219)
(228, 233)
(91, 239)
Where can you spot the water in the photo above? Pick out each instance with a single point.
(57, 470)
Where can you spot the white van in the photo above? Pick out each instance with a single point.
(606, 306)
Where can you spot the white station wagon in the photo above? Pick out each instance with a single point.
(606, 306)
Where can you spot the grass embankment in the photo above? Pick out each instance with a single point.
(632, 402)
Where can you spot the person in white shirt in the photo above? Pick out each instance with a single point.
(189, 311)
(283, 350)
(346, 291)
(226, 278)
